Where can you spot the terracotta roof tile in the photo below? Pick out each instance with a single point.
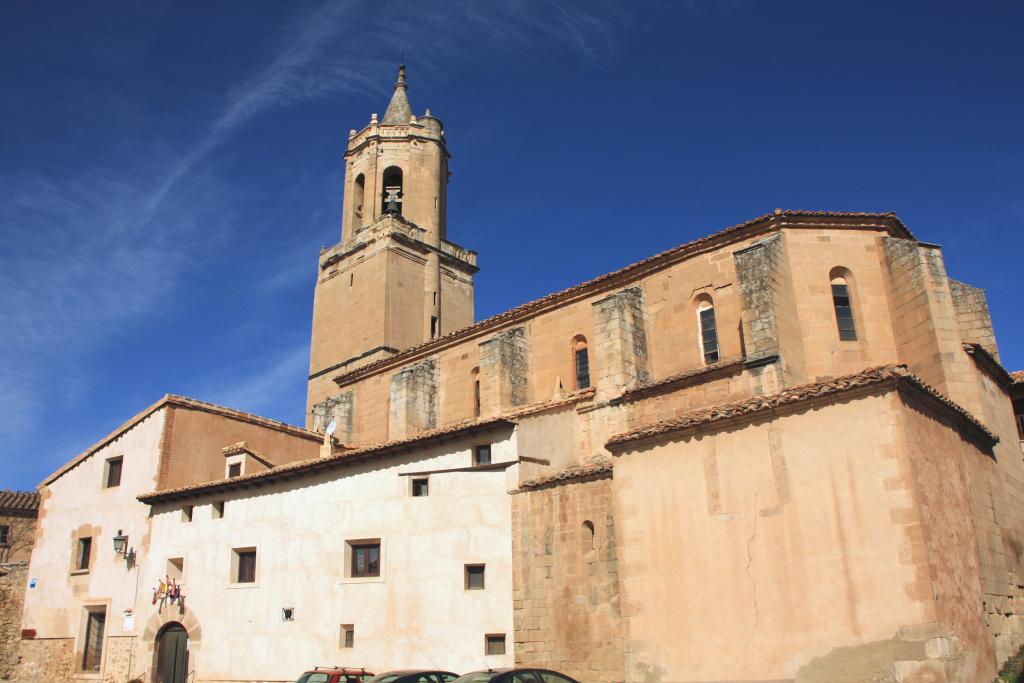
(760, 405)
(777, 218)
(19, 501)
(594, 468)
(346, 456)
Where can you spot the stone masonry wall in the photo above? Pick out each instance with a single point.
(763, 292)
(973, 316)
(413, 400)
(341, 409)
(13, 579)
(620, 343)
(566, 610)
(45, 659)
(504, 370)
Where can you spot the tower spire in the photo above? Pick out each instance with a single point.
(399, 111)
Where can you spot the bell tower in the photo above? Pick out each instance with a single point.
(394, 280)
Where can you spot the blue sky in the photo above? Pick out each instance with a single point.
(169, 170)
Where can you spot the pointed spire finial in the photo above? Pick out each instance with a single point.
(398, 112)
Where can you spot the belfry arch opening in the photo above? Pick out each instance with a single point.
(358, 191)
(391, 196)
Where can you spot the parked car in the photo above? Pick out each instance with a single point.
(414, 676)
(516, 676)
(335, 674)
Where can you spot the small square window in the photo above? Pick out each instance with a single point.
(348, 636)
(243, 563)
(482, 455)
(474, 577)
(83, 554)
(365, 560)
(113, 472)
(186, 513)
(495, 644)
(287, 614)
(234, 470)
(420, 487)
(218, 509)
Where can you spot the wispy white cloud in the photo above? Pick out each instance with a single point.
(92, 251)
(258, 388)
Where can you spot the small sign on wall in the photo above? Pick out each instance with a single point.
(129, 620)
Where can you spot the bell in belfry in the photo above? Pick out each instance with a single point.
(393, 200)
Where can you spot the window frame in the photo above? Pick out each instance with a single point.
(488, 640)
(356, 549)
(581, 371)
(238, 556)
(5, 535)
(234, 470)
(467, 573)
(419, 492)
(112, 465)
(348, 636)
(92, 664)
(708, 357)
(477, 449)
(83, 554)
(843, 313)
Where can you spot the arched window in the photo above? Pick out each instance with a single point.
(391, 197)
(358, 189)
(708, 331)
(843, 305)
(589, 538)
(581, 362)
(474, 377)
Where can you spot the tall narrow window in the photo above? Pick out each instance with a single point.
(92, 651)
(844, 309)
(83, 553)
(708, 332)
(475, 378)
(358, 189)
(433, 327)
(391, 197)
(582, 362)
(348, 635)
(5, 535)
(113, 468)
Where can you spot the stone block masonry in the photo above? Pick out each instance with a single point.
(413, 400)
(13, 579)
(341, 409)
(973, 316)
(620, 344)
(504, 370)
(566, 610)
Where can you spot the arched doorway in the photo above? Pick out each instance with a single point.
(172, 654)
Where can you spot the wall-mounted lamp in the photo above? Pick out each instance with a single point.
(121, 548)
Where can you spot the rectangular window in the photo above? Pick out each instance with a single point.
(709, 335)
(186, 513)
(495, 644)
(348, 636)
(92, 650)
(1020, 426)
(5, 535)
(113, 467)
(365, 560)
(474, 577)
(218, 509)
(844, 313)
(482, 455)
(582, 369)
(244, 561)
(433, 327)
(420, 487)
(234, 470)
(287, 614)
(83, 554)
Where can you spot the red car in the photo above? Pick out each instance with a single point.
(335, 674)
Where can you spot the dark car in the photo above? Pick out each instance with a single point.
(335, 674)
(516, 676)
(414, 676)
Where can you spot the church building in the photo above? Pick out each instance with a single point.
(786, 451)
